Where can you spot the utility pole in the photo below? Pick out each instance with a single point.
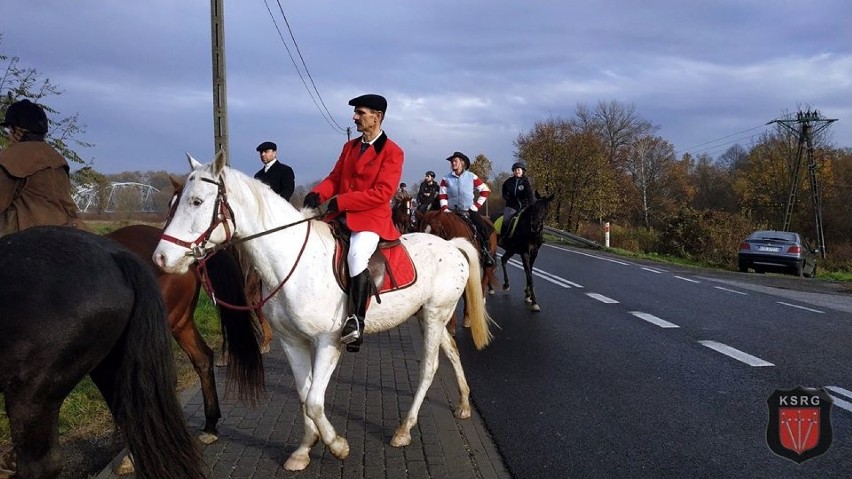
(220, 92)
(809, 124)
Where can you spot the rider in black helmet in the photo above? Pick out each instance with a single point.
(518, 193)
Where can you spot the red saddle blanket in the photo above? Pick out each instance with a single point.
(391, 259)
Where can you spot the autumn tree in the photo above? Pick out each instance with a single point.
(650, 162)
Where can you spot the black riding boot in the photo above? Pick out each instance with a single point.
(484, 250)
(359, 293)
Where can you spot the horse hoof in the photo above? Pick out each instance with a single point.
(463, 413)
(297, 462)
(207, 438)
(125, 467)
(222, 361)
(505, 287)
(490, 290)
(339, 447)
(265, 349)
(535, 308)
(401, 439)
(528, 300)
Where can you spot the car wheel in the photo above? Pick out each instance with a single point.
(799, 270)
(742, 267)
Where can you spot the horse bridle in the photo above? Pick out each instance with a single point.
(222, 215)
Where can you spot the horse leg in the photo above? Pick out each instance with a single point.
(201, 357)
(448, 346)
(503, 260)
(433, 335)
(34, 424)
(525, 261)
(299, 356)
(267, 335)
(533, 302)
(325, 362)
(452, 325)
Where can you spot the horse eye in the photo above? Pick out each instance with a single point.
(196, 202)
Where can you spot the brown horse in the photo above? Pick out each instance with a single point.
(181, 292)
(451, 225)
(401, 214)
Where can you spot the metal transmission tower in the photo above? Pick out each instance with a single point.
(220, 92)
(809, 123)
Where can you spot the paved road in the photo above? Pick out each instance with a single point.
(369, 394)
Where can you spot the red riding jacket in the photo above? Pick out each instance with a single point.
(364, 184)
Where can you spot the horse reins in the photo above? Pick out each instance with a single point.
(222, 213)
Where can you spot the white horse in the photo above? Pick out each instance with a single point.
(307, 308)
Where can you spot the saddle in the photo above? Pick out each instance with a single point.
(390, 266)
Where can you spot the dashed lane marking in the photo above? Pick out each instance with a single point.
(601, 298)
(653, 319)
(736, 354)
(801, 307)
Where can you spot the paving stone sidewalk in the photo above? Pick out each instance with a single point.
(368, 396)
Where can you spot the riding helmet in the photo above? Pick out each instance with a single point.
(27, 115)
(430, 173)
(521, 165)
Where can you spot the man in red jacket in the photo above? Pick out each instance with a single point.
(360, 187)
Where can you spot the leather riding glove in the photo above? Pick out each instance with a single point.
(312, 200)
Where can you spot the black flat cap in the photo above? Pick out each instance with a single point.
(460, 156)
(371, 101)
(27, 115)
(267, 145)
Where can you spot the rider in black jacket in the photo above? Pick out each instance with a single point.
(518, 193)
(427, 195)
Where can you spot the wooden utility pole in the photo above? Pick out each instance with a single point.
(220, 92)
(805, 132)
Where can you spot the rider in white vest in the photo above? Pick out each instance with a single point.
(463, 192)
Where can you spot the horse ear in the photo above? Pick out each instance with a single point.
(176, 183)
(193, 163)
(220, 162)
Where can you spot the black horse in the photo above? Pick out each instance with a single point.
(73, 303)
(525, 239)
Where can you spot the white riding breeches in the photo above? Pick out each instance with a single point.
(362, 244)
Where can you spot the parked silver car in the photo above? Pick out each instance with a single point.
(777, 251)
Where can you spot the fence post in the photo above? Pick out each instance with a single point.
(606, 234)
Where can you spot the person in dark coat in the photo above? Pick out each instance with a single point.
(277, 175)
(427, 195)
(518, 193)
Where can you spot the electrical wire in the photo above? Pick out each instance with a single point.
(322, 110)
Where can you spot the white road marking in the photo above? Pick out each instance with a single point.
(652, 270)
(547, 276)
(654, 320)
(601, 298)
(688, 279)
(731, 290)
(842, 403)
(736, 354)
(590, 255)
(801, 307)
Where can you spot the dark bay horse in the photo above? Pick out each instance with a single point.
(181, 292)
(451, 225)
(525, 239)
(401, 214)
(74, 303)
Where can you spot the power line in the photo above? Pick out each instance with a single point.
(323, 110)
(713, 146)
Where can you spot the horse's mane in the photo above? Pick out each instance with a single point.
(259, 192)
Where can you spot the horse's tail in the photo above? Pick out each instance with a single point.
(240, 330)
(480, 321)
(144, 399)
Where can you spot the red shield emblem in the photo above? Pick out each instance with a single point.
(799, 425)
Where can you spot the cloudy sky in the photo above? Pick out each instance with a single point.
(458, 75)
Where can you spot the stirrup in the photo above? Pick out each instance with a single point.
(354, 335)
